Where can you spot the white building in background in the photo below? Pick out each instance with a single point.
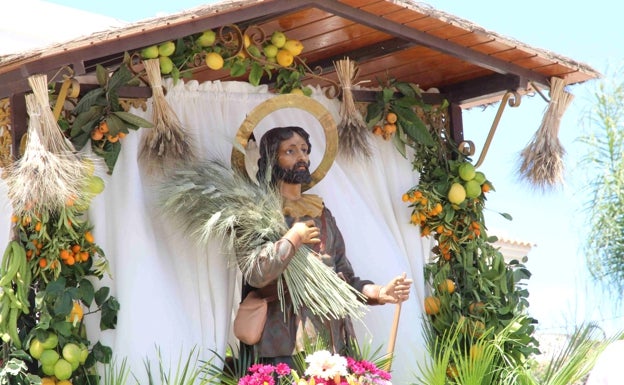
(513, 249)
(30, 24)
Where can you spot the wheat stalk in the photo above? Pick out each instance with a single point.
(352, 130)
(167, 144)
(542, 159)
(50, 174)
(210, 200)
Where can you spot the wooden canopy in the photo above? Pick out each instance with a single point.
(408, 41)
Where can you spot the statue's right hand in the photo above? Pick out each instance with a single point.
(308, 231)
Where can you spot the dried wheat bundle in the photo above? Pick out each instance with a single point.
(42, 180)
(50, 134)
(210, 200)
(542, 158)
(352, 130)
(167, 144)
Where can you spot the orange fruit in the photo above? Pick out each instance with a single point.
(97, 135)
(476, 307)
(390, 128)
(447, 286)
(75, 249)
(88, 237)
(76, 313)
(43, 263)
(103, 127)
(112, 138)
(391, 117)
(432, 305)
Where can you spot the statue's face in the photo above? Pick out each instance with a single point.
(293, 161)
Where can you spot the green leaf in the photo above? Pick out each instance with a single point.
(102, 75)
(56, 287)
(101, 295)
(63, 328)
(80, 140)
(115, 124)
(506, 216)
(399, 145)
(418, 132)
(110, 154)
(133, 119)
(63, 304)
(255, 75)
(387, 95)
(110, 308)
(102, 353)
(374, 113)
(119, 78)
(238, 69)
(86, 291)
(86, 120)
(405, 89)
(91, 98)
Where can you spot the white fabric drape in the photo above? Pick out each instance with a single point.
(174, 296)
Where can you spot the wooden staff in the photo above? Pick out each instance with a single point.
(393, 335)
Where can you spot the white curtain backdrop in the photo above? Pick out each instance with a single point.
(175, 296)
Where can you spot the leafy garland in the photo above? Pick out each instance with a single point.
(468, 278)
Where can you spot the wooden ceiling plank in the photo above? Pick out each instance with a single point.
(445, 46)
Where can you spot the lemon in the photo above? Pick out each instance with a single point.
(293, 46)
(36, 348)
(246, 41)
(297, 91)
(270, 50)
(457, 193)
(166, 49)
(207, 38)
(62, 369)
(51, 341)
(473, 189)
(278, 39)
(214, 61)
(479, 177)
(150, 52)
(166, 65)
(284, 58)
(466, 171)
(48, 370)
(49, 357)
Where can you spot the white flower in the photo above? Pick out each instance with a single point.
(324, 365)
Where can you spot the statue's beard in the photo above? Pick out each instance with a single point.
(298, 174)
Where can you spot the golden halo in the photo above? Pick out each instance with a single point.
(290, 101)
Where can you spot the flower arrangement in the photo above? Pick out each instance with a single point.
(323, 368)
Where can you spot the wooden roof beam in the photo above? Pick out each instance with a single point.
(464, 93)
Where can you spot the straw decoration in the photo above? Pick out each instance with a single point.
(542, 158)
(43, 180)
(167, 144)
(352, 129)
(210, 200)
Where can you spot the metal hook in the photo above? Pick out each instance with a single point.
(513, 99)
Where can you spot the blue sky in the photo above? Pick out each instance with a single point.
(587, 32)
